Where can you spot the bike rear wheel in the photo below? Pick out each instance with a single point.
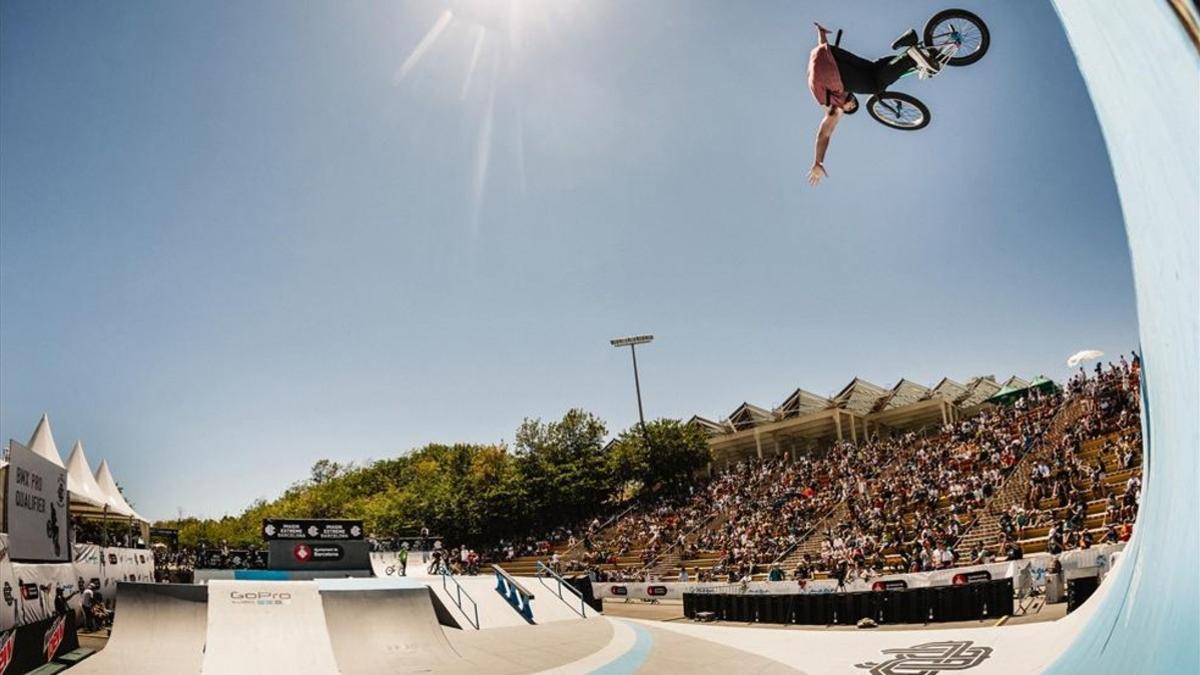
(961, 28)
(898, 111)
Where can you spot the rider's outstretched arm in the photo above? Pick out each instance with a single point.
(825, 132)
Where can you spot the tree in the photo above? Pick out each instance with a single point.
(564, 467)
(324, 470)
(676, 451)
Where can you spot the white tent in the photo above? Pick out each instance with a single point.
(42, 442)
(116, 502)
(80, 483)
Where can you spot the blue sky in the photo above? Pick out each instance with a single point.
(239, 237)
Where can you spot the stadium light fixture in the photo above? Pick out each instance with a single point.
(631, 340)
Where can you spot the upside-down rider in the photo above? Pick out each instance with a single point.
(836, 75)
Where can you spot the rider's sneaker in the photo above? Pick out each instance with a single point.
(909, 39)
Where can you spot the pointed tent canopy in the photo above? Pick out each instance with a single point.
(116, 502)
(1044, 383)
(80, 482)
(42, 442)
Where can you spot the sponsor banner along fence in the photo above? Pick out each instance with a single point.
(1091, 562)
(287, 528)
(27, 647)
(27, 590)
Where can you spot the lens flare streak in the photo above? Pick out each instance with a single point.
(424, 45)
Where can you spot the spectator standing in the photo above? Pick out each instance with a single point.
(89, 601)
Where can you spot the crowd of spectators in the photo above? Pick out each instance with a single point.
(910, 519)
(1065, 481)
(907, 499)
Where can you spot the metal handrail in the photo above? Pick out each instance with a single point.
(514, 593)
(808, 533)
(543, 569)
(512, 581)
(603, 526)
(703, 522)
(459, 592)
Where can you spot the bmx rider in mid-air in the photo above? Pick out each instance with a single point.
(836, 75)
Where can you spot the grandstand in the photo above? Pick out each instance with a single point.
(874, 481)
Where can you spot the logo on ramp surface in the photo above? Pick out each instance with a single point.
(259, 598)
(930, 658)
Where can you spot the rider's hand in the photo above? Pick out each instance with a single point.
(816, 173)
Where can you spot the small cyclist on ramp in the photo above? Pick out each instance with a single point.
(952, 37)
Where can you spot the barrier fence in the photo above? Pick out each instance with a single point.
(975, 601)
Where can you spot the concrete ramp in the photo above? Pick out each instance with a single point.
(158, 628)
(266, 627)
(385, 626)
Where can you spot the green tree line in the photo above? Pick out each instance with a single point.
(555, 473)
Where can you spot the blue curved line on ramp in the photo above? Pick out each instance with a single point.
(261, 575)
(632, 660)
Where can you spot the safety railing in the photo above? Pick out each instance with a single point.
(603, 526)
(681, 544)
(457, 596)
(512, 591)
(544, 571)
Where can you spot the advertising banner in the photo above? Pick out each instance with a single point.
(36, 507)
(27, 590)
(318, 555)
(36, 585)
(321, 530)
(1090, 562)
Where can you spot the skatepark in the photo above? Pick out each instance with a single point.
(376, 621)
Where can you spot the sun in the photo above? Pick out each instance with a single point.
(502, 37)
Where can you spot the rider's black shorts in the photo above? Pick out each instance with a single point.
(868, 77)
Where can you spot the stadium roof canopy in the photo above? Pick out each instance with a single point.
(861, 408)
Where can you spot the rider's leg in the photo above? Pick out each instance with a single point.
(889, 69)
(858, 74)
(909, 39)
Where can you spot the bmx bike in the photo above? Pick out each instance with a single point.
(952, 37)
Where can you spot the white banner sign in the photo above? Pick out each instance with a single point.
(36, 506)
(1091, 562)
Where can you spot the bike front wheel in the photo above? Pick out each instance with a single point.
(966, 32)
(898, 111)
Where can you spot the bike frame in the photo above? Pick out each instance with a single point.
(945, 52)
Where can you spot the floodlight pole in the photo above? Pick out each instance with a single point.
(637, 387)
(632, 342)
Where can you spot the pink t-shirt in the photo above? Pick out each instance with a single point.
(824, 79)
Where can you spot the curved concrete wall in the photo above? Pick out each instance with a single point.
(1143, 74)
